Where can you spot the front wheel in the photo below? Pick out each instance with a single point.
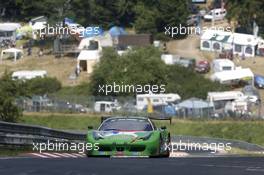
(165, 147)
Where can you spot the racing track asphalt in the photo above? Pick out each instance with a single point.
(121, 166)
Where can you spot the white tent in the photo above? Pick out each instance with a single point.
(216, 40)
(26, 74)
(227, 77)
(244, 44)
(14, 51)
(238, 43)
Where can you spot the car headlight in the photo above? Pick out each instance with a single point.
(147, 136)
(97, 135)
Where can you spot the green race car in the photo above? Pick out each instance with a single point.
(129, 137)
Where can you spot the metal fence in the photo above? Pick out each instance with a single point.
(85, 104)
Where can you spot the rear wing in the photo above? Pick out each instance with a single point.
(151, 117)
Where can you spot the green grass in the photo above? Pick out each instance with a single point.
(249, 131)
(62, 121)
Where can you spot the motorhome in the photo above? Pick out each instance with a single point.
(106, 106)
(215, 14)
(219, 99)
(239, 77)
(142, 100)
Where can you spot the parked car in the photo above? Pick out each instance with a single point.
(106, 106)
(186, 62)
(202, 67)
(251, 94)
(216, 14)
(259, 81)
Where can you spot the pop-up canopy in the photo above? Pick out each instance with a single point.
(13, 51)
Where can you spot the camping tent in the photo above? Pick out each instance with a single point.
(195, 107)
(213, 40)
(116, 31)
(238, 43)
(233, 76)
(16, 52)
(244, 44)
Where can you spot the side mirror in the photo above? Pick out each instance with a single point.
(163, 127)
(90, 127)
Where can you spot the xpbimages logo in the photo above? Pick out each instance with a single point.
(198, 147)
(129, 88)
(64, 146)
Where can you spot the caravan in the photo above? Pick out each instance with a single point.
(155, 99)
(219, 65)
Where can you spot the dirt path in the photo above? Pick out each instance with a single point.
(188, 47)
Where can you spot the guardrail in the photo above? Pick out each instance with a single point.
(234, 143)
(23, 135)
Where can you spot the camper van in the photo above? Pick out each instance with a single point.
(215, 14)
(219, 65)
(155, 99)
(219, 99)
(106, 106)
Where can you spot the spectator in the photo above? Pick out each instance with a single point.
(29, 51)
(40, 53)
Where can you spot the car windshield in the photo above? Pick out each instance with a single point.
(125, 124)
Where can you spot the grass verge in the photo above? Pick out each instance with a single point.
(249, 131)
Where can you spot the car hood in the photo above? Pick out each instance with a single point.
(121, 135)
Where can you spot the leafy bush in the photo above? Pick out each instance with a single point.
(9, 90)
(41, 86)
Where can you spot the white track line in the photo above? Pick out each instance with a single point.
(70, 155)
(178, 154)
(78, 155)
(51, 155)
(61, 155)
(39, 155)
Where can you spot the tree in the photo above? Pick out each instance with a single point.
(143, 66)
(245, 12)
(9, 90)
(146, 19)
(153, 16)
(140, 67)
